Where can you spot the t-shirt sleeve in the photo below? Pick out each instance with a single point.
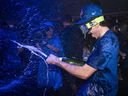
(101, 55)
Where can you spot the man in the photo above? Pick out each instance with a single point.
(100, 70)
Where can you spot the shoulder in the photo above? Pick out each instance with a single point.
(109, 38)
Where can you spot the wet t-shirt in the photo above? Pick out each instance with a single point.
(104, 58)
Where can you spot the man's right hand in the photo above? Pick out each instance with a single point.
(52, 59)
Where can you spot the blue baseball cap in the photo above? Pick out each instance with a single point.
(90, 12)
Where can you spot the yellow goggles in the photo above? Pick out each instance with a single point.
(94, 22)
(85, 28)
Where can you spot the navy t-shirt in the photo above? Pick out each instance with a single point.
(104, 58)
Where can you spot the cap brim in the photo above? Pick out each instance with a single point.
(81, 21)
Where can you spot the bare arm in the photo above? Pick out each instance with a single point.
(82, 72)
(49, 46)
(52, 47)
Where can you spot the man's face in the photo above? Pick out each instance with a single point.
(95, 32)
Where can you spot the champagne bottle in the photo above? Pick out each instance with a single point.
(73, 61)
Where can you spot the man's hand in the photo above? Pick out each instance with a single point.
(52, 59)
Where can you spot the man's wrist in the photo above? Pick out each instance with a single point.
(59, 62)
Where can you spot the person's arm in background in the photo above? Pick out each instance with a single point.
(55, 45)
(55, 49)
(48, 46)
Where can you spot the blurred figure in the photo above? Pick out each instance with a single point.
(71, 34)
(50, 76)
(124, 51)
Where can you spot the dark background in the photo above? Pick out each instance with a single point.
(109, 6)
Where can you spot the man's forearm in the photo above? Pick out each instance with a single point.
(82, 72)
(78, 71)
